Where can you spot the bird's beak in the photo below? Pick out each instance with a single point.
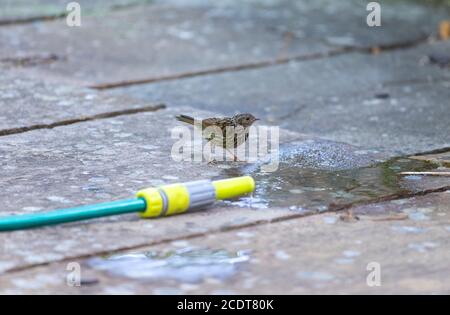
(257, 119)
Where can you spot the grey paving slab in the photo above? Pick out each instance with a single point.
(109, 159)
(100, 161)
(393, 101)
(20, 250)
(26, 102)
(15, 11)
(316, 254)
(346, 17)
(154, 41)
(414, 119)
(82, 157)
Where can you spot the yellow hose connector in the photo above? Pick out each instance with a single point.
(233, 187)
(178, 198)
(153, 200)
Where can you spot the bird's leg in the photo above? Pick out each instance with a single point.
(235, 159)
(213, 151)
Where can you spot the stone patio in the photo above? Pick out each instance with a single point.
(86, 116)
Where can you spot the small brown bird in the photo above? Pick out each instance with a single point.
(234, 130)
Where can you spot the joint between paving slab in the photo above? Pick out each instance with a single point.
(293, 216)
(407, 44)
(151, 108)
(27, 20)
(435, 151)
(267, 63)
(29, 61)
(416, 81)
(235, 68)
(57, 16)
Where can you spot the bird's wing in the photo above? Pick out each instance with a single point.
(210, 122)
(220, 133)
(205, 122)
(186, 119)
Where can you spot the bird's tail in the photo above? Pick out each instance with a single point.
(186, 119)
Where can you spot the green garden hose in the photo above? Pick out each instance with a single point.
(149, 203)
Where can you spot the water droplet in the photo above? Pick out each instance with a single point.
(58, 199)
(422, 247)
(330, 219)
(351, 253)
(282, 255)
(244, 234)
(407, 229)
(315, 276)
(344, 261)
(418, 216)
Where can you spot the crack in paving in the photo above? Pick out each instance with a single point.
(235, 68)
(57, 16)
(335, 208)
(416, 82)
(29, 61)
(436, 151)
(33, 19)
(268, 63)
(151, 108)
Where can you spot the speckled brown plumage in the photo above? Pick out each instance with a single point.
(237, 127)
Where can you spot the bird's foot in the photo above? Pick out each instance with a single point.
(212, 162)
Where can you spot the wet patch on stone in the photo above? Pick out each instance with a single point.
(423, 246)
(316, 175)
(186, 265)
(440, 59)
(316, 276)
(403, 229)
(442, 158)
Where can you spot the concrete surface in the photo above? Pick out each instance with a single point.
(27, 11)
(353, 104)
(333, 98)
(316, 254)
(29, 103)
(195, 38)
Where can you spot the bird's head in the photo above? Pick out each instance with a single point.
(245, 120)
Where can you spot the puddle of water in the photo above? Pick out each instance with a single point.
(185, 265)
(316, 180)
